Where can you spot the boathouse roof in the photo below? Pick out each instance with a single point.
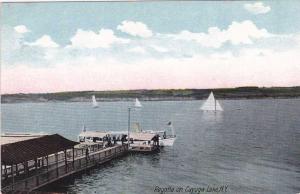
(32, 147)
(142, 136)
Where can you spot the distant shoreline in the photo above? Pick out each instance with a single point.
(157, 95)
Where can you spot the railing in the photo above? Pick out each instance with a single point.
(42, 178)
(51, 159)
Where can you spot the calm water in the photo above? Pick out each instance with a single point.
(253, 146)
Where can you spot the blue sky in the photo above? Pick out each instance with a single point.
(61, 20)
(140, 37)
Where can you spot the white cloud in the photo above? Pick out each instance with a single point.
(45, 41)
(89, 39)
(137, 49)
(223, 70)
(257, 8)
(236, 33)
(159, 48)
(21, 29)
(135, 29)
(260, 63)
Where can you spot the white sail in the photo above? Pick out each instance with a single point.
(137, 103)
(211, 104)
(172, 128)
(94, 101)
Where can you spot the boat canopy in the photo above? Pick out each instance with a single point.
(93, 134)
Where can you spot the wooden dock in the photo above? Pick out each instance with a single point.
(58, 170)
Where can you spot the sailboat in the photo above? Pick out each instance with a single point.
(137, 103)
(211, 104)
(94, 102)
(168, 140)
(164, 139)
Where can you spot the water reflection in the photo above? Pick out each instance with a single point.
(211, 117)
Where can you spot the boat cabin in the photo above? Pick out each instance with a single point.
(92, 136)
(144, 142)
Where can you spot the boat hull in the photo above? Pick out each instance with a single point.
(167, 142)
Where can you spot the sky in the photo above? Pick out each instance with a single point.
(75, 46)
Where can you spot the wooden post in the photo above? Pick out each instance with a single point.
(17, 171)
(35, 163)
(5, 171)
(26, 168)
(66, 162)
(73, 157)
(47, 163)
(56, 160)
(13, 178)
(26, 173)
(43, 161)
(36, 171)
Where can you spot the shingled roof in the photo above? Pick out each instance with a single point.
(17, 152)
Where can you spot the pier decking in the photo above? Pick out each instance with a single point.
(72, 161)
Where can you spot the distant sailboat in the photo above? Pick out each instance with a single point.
(211, 104)
(137, 103)
(94, 101)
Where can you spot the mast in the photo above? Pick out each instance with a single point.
(128, 126)
(173, 133)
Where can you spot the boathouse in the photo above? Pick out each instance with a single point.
(29, 162)
(23, 155)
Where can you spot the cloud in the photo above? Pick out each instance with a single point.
(236, 33)
(257, 8)
(135, 29)
(45, 41)
(199, 71)
(138, 49)
(162, 61)
(159, 48)
(21, 29)
(89, 39)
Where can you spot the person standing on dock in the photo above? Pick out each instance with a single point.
(123, 139)
(114, 140)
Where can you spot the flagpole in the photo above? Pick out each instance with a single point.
(128, 126)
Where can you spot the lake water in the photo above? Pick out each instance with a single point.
(251, 147)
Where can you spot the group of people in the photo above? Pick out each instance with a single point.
(108, 141)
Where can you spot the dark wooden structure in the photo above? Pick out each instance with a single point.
(33, 163)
